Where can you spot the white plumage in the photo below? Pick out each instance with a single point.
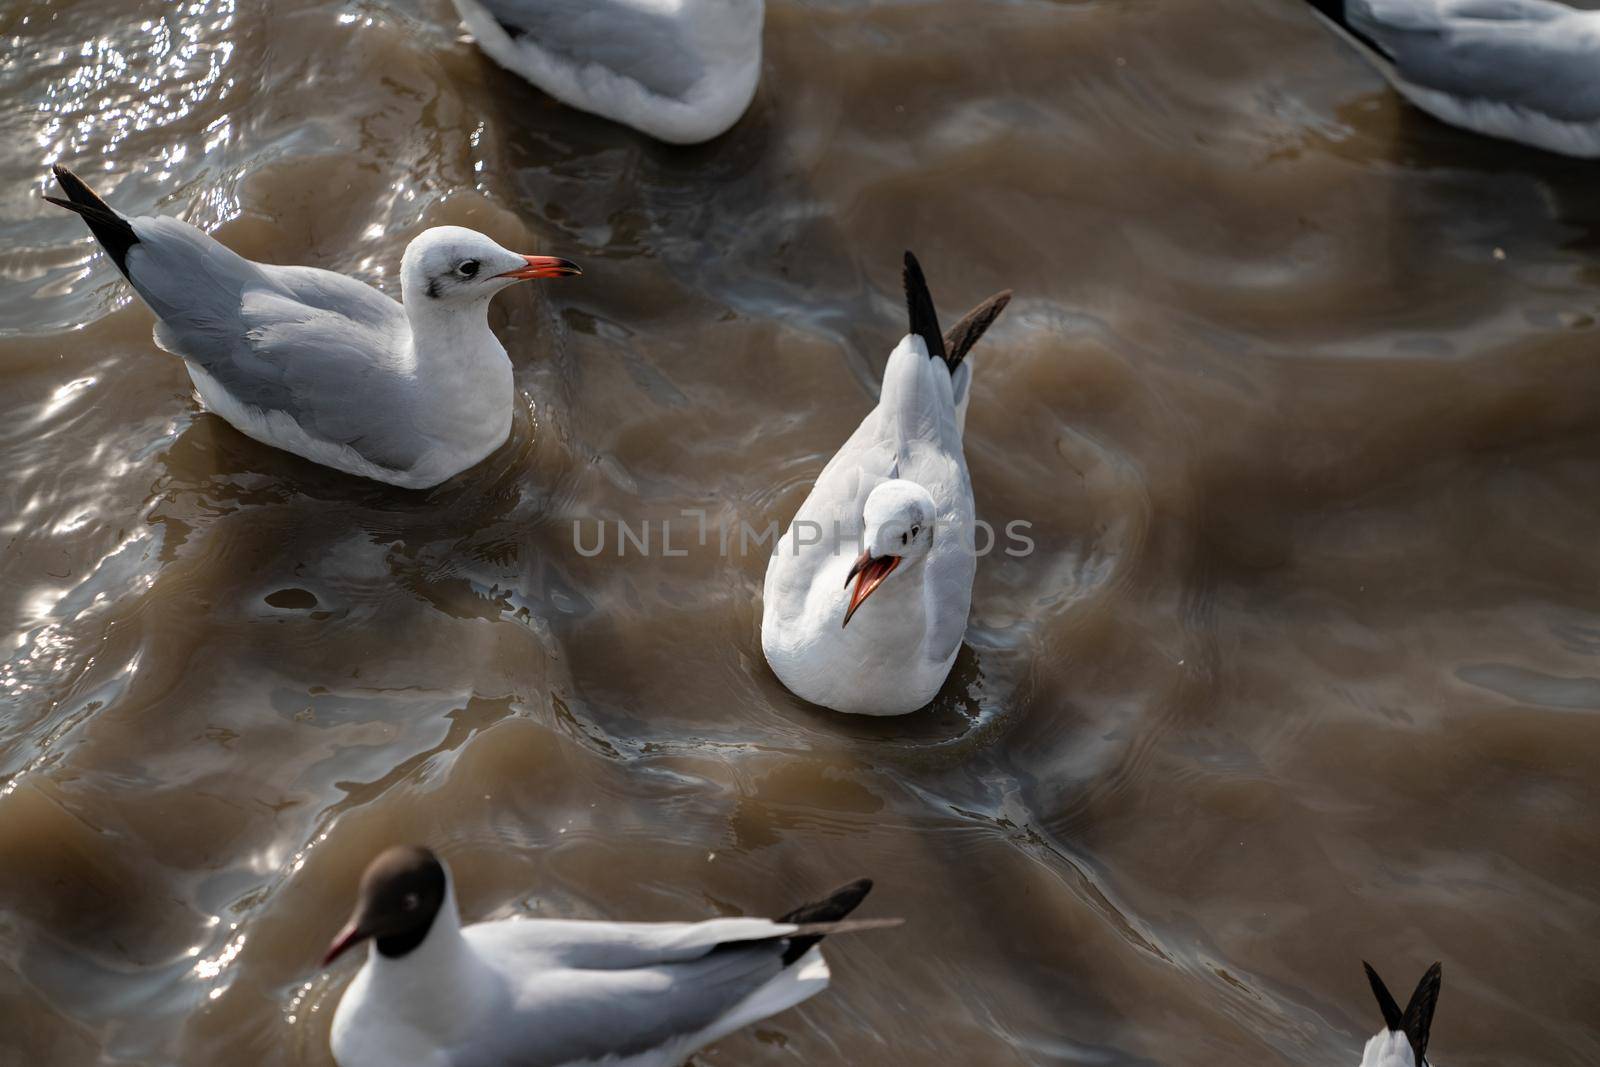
(556, 993)
(893, 513)
(319, 364)
(682, 71)
(1520, 70)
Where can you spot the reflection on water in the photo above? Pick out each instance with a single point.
(1298, 393)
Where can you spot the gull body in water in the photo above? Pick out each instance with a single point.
(1521, 70)
(867, 591)
(682, 71)
(322, 365)
(560, 993)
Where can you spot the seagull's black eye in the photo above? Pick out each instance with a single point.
(467, 268)
(915, 530)
(411, 902)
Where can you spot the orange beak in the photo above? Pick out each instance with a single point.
(348, 938)
(543, 267)
(868, 573)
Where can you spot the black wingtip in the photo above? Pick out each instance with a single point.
(113, 232)
(1332, 9)
(919, 308)
(1335, 11)
(1418, 1019)
(1393, 1017)
(830, 909)
(960, 338)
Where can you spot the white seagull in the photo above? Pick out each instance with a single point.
(321, 365)
(682, 71)
(1404, 1039)
(1522, 70)
(892, 513)
(560, 993)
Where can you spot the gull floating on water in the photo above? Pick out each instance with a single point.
(682, 71)
(321, 365)
(1404, 1040)
(890, 518)
(1522, 70)
(559, 993)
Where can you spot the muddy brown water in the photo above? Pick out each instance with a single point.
(1300, 394)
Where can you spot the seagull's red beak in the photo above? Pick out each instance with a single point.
(869, 572)
(544, 267)
(347, 939)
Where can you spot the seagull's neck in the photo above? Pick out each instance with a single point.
(439, 985)
(901, 615)
(442, 334)
(463, 370)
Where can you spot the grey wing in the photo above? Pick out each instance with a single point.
(312, 344)
(593, 945)
(336, 375)
(567, 1016)
(1519, 52)
(646, 46)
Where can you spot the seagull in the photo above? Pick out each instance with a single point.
(682, 71)
(1522, 70)
(1404, 1039)
(890, 518)
(319, 364)
(560, 993)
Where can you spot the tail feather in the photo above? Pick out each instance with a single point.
(823, 917)
(113, 231)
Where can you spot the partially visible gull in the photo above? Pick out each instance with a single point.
(682, 71)
(1522, 70)
(1403, 1041)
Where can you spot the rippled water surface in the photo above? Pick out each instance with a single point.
(1300, 392)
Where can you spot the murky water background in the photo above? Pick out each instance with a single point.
(1300, 392)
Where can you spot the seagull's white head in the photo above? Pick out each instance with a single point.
(452, 265)
(899, 518)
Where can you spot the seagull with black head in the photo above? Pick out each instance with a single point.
(557, 992)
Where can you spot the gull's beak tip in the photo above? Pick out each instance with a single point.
(342, 943)
(545, 267)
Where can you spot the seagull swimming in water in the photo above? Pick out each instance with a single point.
(682, 71)
(1522, 70)
(321, 365)
(560, 993)
(1404, 1040)
(867, 591)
